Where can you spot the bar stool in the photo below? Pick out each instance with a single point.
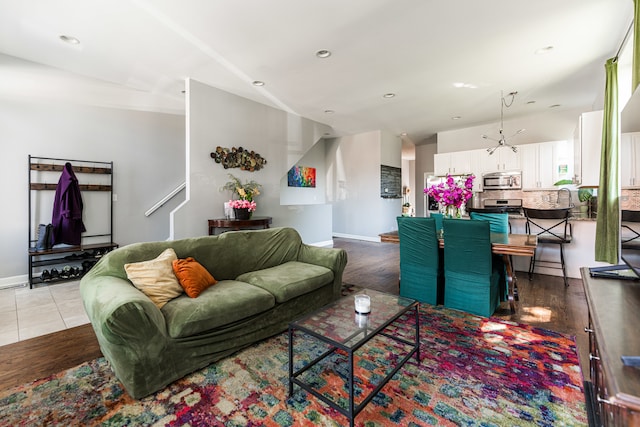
(630, 237)
(552, 227)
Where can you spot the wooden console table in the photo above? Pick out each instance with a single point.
(613, 395)
(238, 224)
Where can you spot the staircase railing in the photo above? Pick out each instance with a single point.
(165, 199)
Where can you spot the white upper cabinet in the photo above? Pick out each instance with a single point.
(630, 160)
(503, 159)
(455, 163)
(545, 163)
(587, 165)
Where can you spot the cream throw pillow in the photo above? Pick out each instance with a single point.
(156, 278)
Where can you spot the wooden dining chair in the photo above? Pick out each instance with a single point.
(421, 276)
(552, 226)
(498, 223)
(470, 273)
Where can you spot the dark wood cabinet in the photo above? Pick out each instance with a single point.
(614, 331)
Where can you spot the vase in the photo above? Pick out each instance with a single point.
(242, 213)
(453, 212)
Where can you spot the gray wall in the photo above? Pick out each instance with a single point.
(423, 164)
(216, 117)
(353, 165)
(147, 150)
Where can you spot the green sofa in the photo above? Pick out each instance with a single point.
(266, 278)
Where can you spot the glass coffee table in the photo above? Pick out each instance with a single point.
(341, 332)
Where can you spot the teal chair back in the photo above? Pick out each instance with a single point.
(438, 217)
(498, 222)
(471, 276)
(421, 272)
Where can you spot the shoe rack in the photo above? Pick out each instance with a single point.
(65, 262)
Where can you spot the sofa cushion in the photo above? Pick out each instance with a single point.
(155, 277)
(225, 303)
(289, 280)
(193, 277)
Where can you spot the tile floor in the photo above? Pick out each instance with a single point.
(26, 313)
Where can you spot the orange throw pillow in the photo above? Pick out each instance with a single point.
(193, 277)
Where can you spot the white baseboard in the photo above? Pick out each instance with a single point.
(356, 237)
(325, 244)
(13, 282)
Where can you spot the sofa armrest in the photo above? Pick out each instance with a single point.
(120, 313)
(332, 258)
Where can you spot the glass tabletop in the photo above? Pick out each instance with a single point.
(339, 323)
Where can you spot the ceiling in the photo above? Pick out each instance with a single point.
(137, 53)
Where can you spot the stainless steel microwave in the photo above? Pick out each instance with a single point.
(511, 180)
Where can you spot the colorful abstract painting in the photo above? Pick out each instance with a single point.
(301, 176)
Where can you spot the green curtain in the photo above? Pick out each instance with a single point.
(608, 223)
(635, 74)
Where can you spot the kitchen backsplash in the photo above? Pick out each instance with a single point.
(629, 200)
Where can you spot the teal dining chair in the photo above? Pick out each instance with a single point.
(438, 217)
(470, 273)
(498, 223)
(421, 276)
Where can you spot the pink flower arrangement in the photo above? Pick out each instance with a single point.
(243, 204)
(451, 193)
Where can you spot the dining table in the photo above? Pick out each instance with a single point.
(508, 245)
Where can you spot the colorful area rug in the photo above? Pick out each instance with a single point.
(473, 372)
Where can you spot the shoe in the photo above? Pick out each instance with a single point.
(66, 272)
(54, 274)
(75, 271)
(45, 276)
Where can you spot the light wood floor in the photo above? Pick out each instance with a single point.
(544, 302)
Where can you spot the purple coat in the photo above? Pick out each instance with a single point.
(67, 209)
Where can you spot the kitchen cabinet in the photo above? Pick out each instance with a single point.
(455, 163)
(503, 159)
(630, 160)
(589, 138)
(544, 164)
(476, 162)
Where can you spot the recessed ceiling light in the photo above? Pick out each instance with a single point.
(465, 85)
(456, 118)
(257, 83)
(543, 50)
(389, 95)
(69, 39)
(554, 106)
(323, 53)
(403, 134)
(329, 111)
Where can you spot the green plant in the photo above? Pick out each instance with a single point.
(585, 194)
(246, 191)
(563, 182)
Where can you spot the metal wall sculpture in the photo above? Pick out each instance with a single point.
(238, 158)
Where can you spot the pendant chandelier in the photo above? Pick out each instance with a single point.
(502, 140)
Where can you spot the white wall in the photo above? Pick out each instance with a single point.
(291, 196)
(147, 150)
(218, 118)
(550, 126)
(353, 166)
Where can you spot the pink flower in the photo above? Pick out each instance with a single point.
(243, 204)
(450, 193)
